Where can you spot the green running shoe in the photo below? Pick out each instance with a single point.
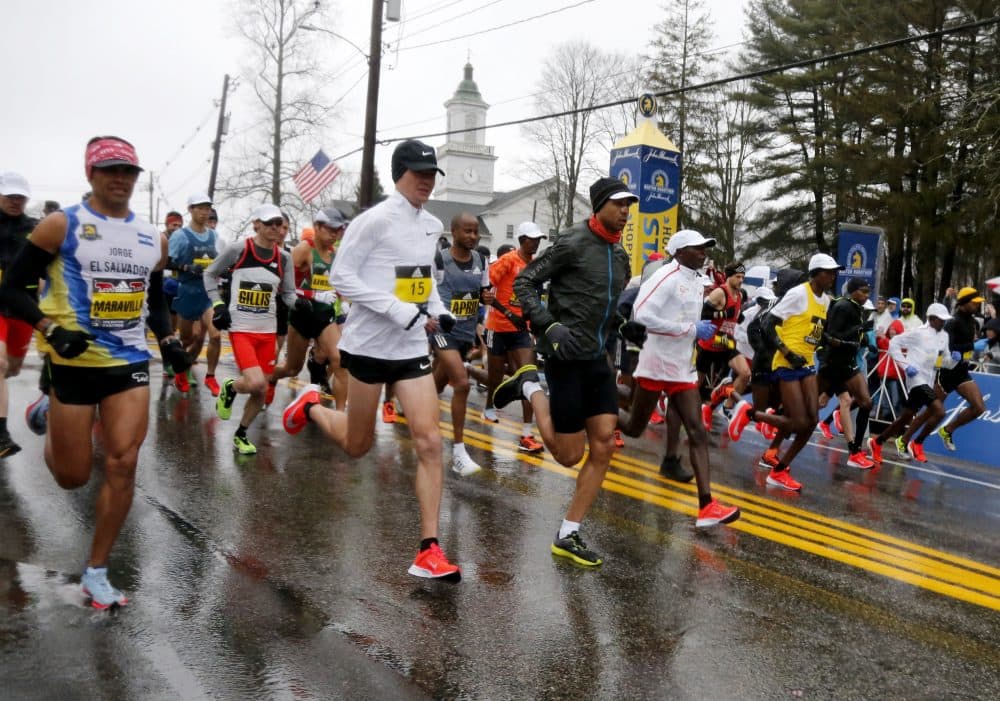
(243, 446)
(573, 547)
(224, 404)
(946, 439)
(901, 448)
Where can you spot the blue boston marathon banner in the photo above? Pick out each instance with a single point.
(977, 440)
(858, 251)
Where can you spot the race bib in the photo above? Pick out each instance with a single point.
(320, 283)
(464, 308)
(413, 283)
(254, 297)
(117, 304)
(815, 335)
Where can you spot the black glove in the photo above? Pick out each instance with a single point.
(446, 322)
(174, 354)
(795, 360)
(67, 344)
(561, 340)
(633, 332)
(220, 316)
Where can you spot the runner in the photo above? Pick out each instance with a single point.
(384, 266)
(259, 272)
(192, 249)
(316, 321)
(15, 334)
(717, 355)
(462, 281)
(586, 268)
(962, 335)
(795, 327)
(104, 269)
(670, 305)
(508, 343)
(919, 352)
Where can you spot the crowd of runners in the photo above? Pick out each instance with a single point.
(382, 316)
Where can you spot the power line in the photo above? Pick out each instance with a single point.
(493, 29)
(432, 10)
(456, 17)
(188, 141)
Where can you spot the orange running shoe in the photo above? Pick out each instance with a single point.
(860, 461)
(824, 428)
(528, 444)
(432, 564)
(876, 450)
(706, 416)
(714, 513)
(740, 420)
(837, 421)
(619, 440)
(917, 451)
(388, 413)
(181, 383)
(294, 419)
(212, 384)
(769, 458)
(784, 480)
(721, 393)
(656, 418)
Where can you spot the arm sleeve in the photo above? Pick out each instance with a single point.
(657, 308)
(530, 280)
(20, 283)
(896, 345)
(159, 317)
(287, 285)
(213, 273)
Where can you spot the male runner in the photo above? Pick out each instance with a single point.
(508, 342)
(192, 249)
(15, 335)
(586, 268)
(463, 281)
(312, 259)
(718, 354)
(920, 352)
(384, 266)
(259, 272)
(104, 269)
(669, 305)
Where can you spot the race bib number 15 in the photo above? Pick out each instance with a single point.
(413, 283)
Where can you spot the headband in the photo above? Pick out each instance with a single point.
(109, 151)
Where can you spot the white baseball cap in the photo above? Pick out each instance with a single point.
(686, 238)
(14, 184)
(267, 212)
(938, 310)
(868, 305)
(822, 261)
(199, 198)
(529, 229)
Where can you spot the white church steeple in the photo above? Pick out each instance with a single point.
(465, 158)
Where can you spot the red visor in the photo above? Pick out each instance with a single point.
(110, 152)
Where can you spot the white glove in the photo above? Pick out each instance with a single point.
(325, 297)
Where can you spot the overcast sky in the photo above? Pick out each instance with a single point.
(152, 71)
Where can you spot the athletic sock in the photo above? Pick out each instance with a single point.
(526, 430)
(3, 424)
(529, 388)
(426, 543)
(860, 429)
(568, 527)
(459, 449)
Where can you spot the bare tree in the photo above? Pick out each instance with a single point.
(285, 74)
(570, 81)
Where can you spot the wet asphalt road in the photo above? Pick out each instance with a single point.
(283, 576)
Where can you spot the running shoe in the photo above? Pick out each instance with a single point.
(490, 414)
(656, 418)
(824, 428)
(243, 446)
(706, 416)
(784, 480)
(860, 461)
(714, 513)
(769, 459)
(672, 468)
(182, 383)
(224, 404)
(721, 393)
(388, 411)
(917, 451)
(901, 449)
(212, 384)
(573, 547)
(37, 415)
(528, 444)
(512, 388)
(464, 466)
(619, 440)
(838, 422)
(946, 439)
(873, 445)
(740, 420)
(7, 445)
(95, 584)
(294, 419)
(432, 564)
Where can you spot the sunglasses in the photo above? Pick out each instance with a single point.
(273, 222)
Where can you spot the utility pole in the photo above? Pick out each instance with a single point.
(219, 131)
(371, 109)
(152, 218)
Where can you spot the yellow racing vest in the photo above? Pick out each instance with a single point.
(802, 333)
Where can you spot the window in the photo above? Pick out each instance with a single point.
(510, 231)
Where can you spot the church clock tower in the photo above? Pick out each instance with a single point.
(465, 158)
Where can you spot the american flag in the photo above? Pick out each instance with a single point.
(315, 175)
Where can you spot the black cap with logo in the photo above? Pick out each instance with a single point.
(413, 155)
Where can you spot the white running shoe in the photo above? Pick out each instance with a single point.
(465, 466)
(491, 415)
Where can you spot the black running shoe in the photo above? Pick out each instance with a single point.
(7, 445)
(573, 547)
(510, 390)
(672, 468)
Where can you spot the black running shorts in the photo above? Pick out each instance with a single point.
(919, 397)
(373, 371)
(950, 379)
(579, 389)
(89, 386)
